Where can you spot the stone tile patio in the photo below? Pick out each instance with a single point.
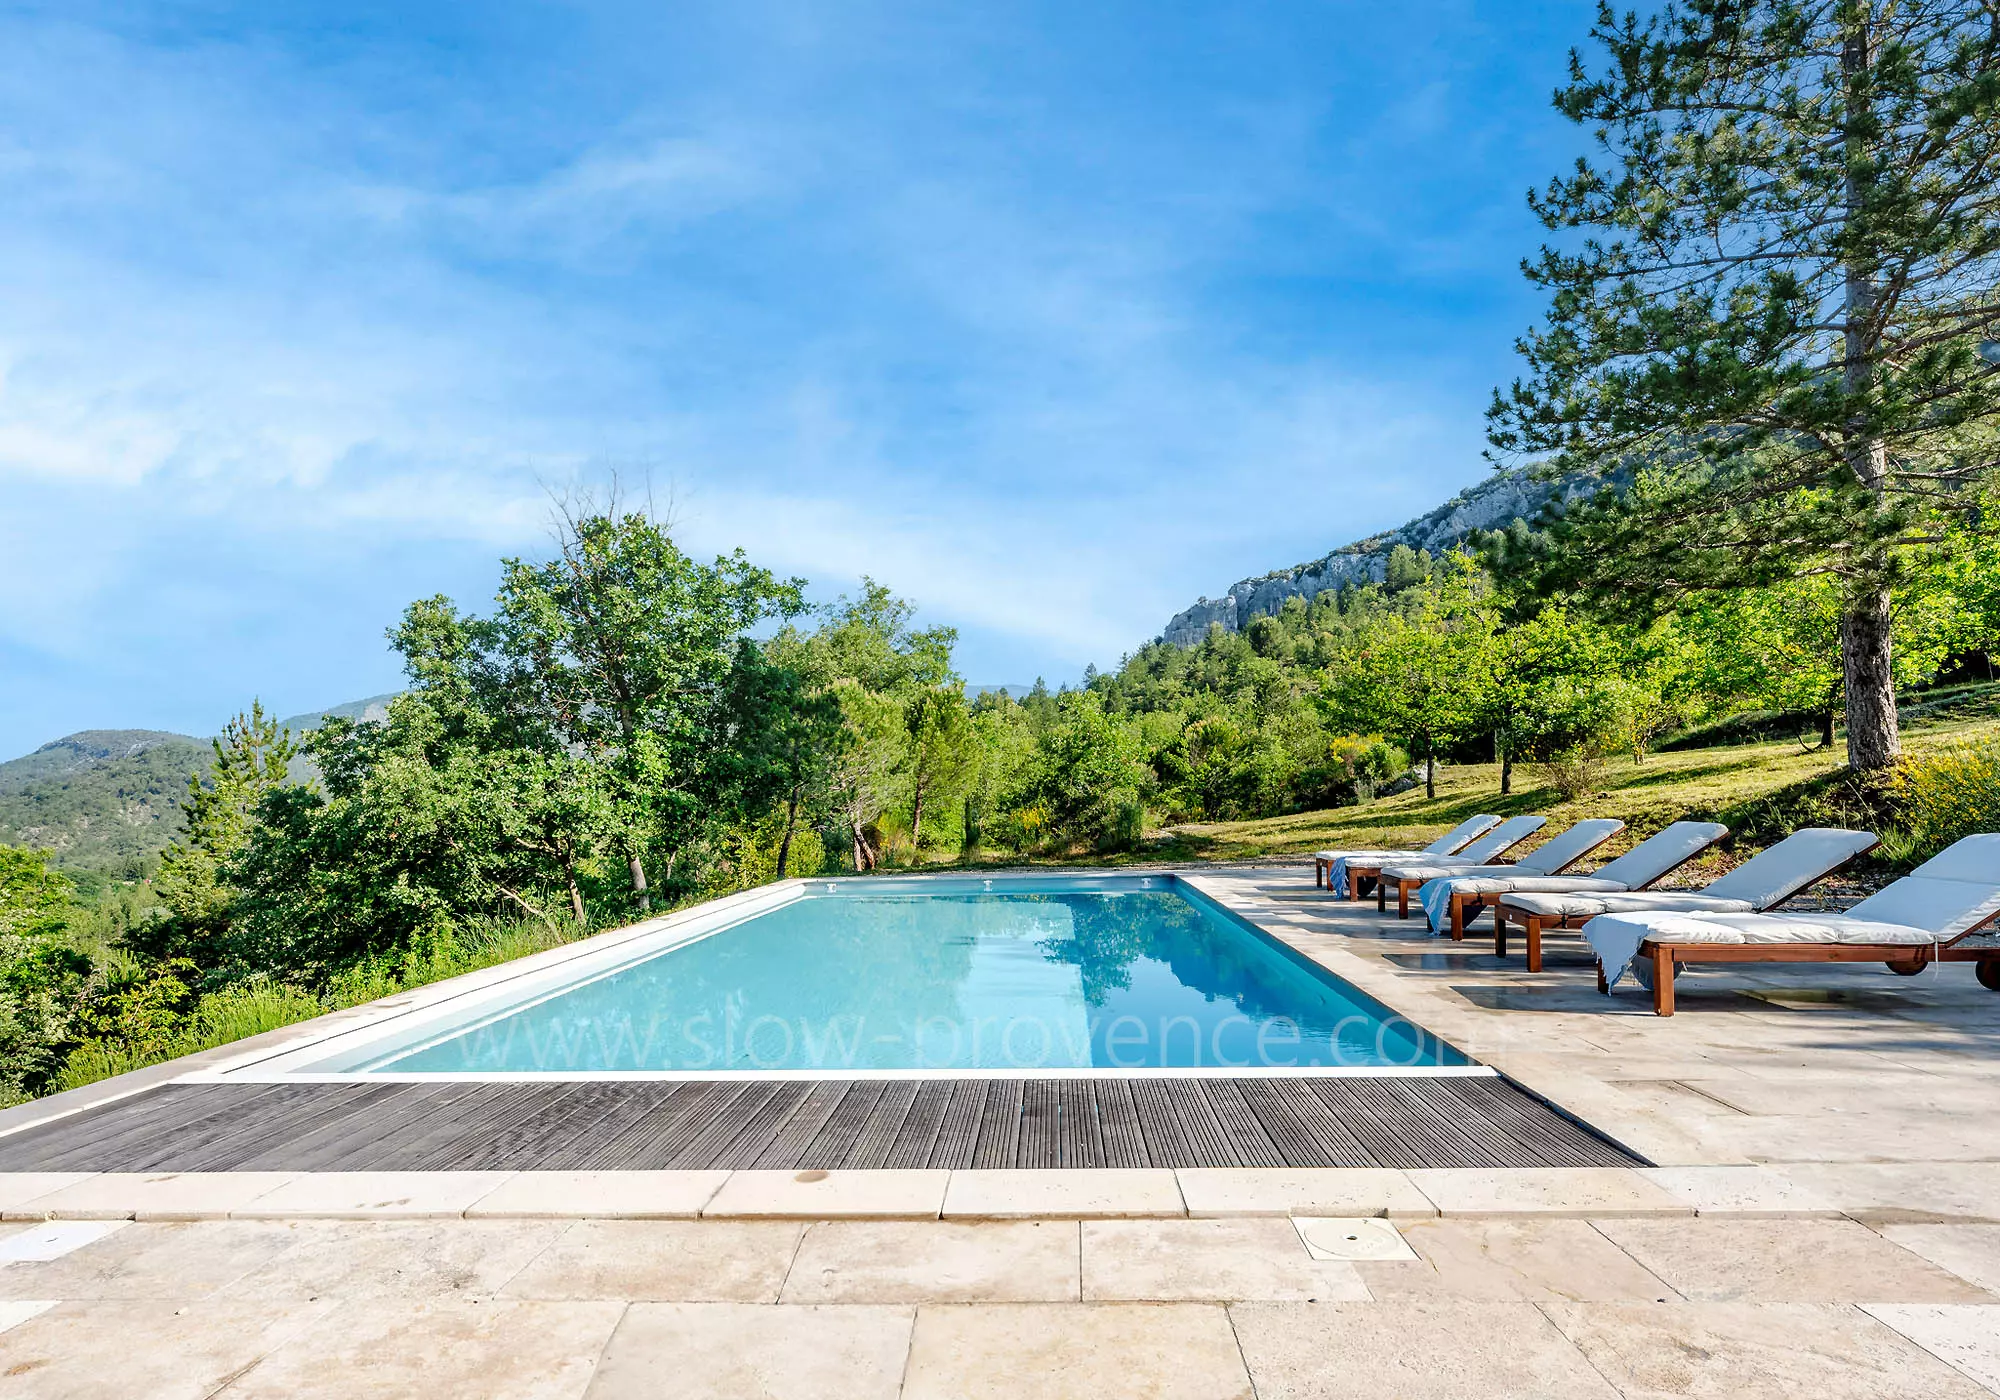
(1822, 1220)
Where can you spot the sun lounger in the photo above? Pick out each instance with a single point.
(1552, 857)
(1494, 844)
(1450, 902)
(1909, 925)
(1762, 882)
(1331, 866)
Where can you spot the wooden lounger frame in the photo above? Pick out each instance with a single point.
(1905, 959)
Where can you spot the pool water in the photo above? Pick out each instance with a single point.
(1127, 973)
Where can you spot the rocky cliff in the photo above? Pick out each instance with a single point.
(1491, 504)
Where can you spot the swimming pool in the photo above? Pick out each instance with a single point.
(939, 976)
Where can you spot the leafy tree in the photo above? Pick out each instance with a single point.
(34, 895)
(252, 758)
(1776, 313)
(620, 649)
(1087, 772)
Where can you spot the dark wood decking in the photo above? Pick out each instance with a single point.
(792, 1124)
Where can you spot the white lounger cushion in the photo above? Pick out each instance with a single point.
(1770, 877)
(1778, 872)
(1643, 864)
(1435, 894)
(1615, 938)
(1456, 839)
(1955, 890)
(1661, 853)
(1565, 849)
(1553, 907)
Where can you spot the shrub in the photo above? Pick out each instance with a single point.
(1948, 793)
(1573, 772)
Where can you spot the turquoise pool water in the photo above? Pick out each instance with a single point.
(1115, 973)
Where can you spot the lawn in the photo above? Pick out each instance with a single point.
(1756, 788)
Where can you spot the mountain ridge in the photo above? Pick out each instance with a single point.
(1491, 504)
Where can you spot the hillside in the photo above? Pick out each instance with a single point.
(1492, 504)
(105, 800)
(108, 801)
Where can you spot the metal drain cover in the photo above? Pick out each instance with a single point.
(1333, 1237)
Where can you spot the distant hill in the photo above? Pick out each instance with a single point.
(108, 801)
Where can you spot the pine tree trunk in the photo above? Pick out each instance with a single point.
(1872, 740)
(1430, 775)
(639, 894)
(791, 820)
(575, 894)
(1506, 773)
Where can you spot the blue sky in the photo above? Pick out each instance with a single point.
(1052, 317)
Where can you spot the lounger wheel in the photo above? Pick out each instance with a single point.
(1988, 972)
(1906, 969)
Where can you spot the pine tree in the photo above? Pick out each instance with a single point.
(1768, 341)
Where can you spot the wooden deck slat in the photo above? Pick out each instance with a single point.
(829, 1148)
(878, 1131)
(1040, 1142)
(791, 1141)
(912, 1147)
(958, 1131)
(1118, 1124)
(1309, 1121)
(1082, 1141)
(998, 1140)
(1247, 1135)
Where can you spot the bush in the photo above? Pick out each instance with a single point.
(1574, 772)
(1948, 793)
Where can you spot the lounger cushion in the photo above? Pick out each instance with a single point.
(1554, 908)
(1955, 890)
(1436, 894)
(1662, 852)
(1498, 841)
(1567, 848)
(1615, 938)
(1466, 831)
(1775, 874)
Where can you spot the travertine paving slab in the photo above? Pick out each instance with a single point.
(495, 1350)
(52, 1239)
(167, 1262)
(722, 1261)
(1766, 1351)
(1784, 1261)
(1439, 1350)
(392, 1258)
(1208, 1260)
(1053, 1195)
(820, 1195)
(162, 1350)
(725, 1351)
(1343, 1191)
(159, 1195)
(1970, 1251)
(1581, 1191)
(1903, 1191)
(1524, 1260)
(20, 1190)
(1738, 1191)
(659, 1195)
(935, 1261)
(371, 1196)
(1034, 1351)
(1965, 1336)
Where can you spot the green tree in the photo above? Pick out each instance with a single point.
(620, 649)
(1776, 311)
(1087, 774)
(252, 759)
